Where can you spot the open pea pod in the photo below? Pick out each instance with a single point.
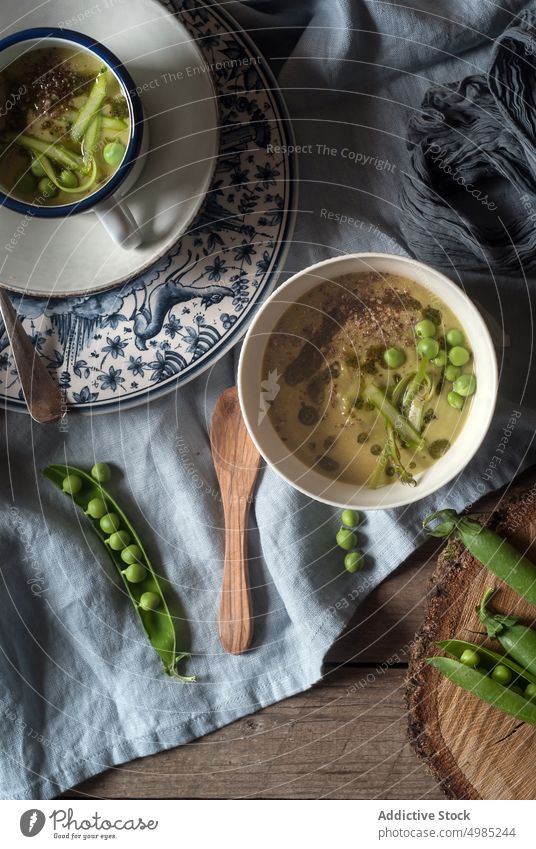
(517, 640)
(157, 623)
(485, 688)
(488, 658)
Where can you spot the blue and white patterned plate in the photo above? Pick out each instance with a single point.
(167, 325)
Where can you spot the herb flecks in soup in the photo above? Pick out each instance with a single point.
(375, 379)
(67, 127)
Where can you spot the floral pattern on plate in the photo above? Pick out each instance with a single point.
(162, 328)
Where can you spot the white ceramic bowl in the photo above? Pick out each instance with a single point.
(339, 493)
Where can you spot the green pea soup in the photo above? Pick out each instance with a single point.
(331, 344)
(44, 94)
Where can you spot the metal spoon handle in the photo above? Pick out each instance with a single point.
(41, 394)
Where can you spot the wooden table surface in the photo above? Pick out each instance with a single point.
(344, 739)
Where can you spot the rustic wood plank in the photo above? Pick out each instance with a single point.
(344, 739)
(383, 627)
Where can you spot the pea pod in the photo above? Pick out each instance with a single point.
(516, 639)
(398, 391)
(402, 427)
(485, 688)
(414, 386)
(492, 550)
(78, 189)
(488, 659)
(54, 150)
(158, 623)
(91, 140)
(376, 478)
(394, 454)
(108, 122)
(115, 124)
(90, 107)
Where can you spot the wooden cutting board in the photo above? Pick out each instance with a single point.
(474, 750)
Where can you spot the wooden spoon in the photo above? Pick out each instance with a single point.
(42, 396)
(237, 462)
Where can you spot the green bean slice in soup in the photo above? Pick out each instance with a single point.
(127, 554)
(363, 395)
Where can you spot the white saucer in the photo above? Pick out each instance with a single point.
(75, 255)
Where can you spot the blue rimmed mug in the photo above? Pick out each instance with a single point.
(105, 201)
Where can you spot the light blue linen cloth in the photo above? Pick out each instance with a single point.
(80, 688)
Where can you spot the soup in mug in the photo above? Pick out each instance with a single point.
(375, 379)
(64, 126)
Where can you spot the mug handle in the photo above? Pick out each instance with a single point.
(119, 223)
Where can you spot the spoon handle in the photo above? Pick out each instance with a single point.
(235, 622)
(41, 394)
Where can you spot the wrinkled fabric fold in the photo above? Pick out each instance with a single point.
(473, 153)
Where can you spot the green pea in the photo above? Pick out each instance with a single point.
(131, 554)
(428, 348)
(96, 508)
(465, 385)
(455, 400)
(47, 188)
(425, 329)
(454, 337)
(150, 601)
(350, 518)
(353, 561)
(459, 356)
(68, 179)
(118, 540)
(36, 168)
(470, 658)
(501, 674)
(101, 472)
(441, 360)
(113, 153)
(72, 484)
(26, 183)
(452, 372)
(394, 357)
(135, 573)
(346, 539)
(110, 523)
(530, 692)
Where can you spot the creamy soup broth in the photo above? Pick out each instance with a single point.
(329, 346)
